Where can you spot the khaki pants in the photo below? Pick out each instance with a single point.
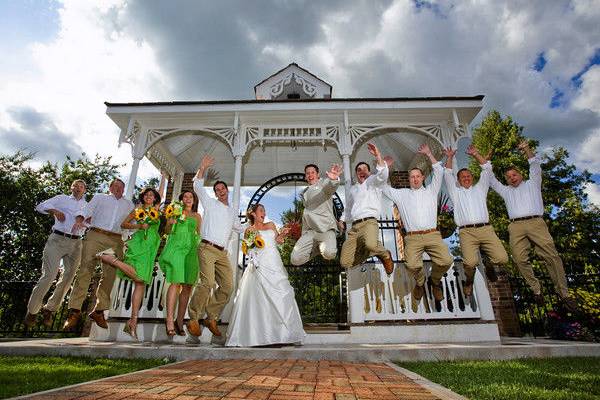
(306, 247)
(433, 244)
(483, 238)
(57, 248)
(522, 235)
(93, 243)
(214, 268)
(362, 242)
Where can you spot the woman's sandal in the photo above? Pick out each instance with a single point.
(170, 332)
(131, 331)
(179, 329)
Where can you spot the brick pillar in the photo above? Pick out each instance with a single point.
(399, 179)
(503, 304)
(187, 184)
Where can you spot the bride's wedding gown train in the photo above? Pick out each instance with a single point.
(265, 310)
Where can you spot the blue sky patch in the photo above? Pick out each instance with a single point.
(558, 99)
(540, 62)
(594, 60)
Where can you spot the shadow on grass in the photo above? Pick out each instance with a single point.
(23, 375)
(525, 379)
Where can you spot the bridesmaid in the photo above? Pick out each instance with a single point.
(179, 261)
(138, 263)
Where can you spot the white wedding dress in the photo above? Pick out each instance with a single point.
(265, 310)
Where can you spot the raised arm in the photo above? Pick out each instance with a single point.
(535, 166)
(426, 151)
(449, 152)
(382, 174)
(51, 207)
(199, 188)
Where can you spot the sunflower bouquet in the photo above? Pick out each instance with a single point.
(148, 216)
(251, 241)
(175, 211)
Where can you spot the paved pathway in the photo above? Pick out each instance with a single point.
(258, 380)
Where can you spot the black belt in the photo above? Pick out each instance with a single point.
(216, 246)
(65, 234)
(524, 218)
(479, 225)
(358, 221)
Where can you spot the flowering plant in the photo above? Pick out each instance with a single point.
(252, 240)
(445, 221)
(148, 216)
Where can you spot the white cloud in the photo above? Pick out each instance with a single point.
(588, 154)
(593, 192)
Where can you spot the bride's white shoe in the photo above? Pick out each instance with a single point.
(107, 252)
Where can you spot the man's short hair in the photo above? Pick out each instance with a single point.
(115, 181)
(217, 183)
(362, 163)
(511, 168)
(311, 165)
(416, 169)
(79, 181)
(463, 170)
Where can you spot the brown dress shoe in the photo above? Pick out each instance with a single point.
(30, 320)
(468, 288)
(72, 320)
(194, 327)
(211, 324)
(388, 263)
(47, 317)
(438, 291)
(490, 273)
(417, 292)
(98, 318)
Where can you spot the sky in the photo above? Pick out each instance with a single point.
(538, 61)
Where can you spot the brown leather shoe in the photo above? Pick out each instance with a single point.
(438, 291)
(194, 327)
(490, 272)
(417, 292)
(30, 320)
(468, 288)
(98, 318)
(211, 324)
(388, 263)
(72, 320)
(47, 317)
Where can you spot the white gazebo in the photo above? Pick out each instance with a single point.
(294, 120)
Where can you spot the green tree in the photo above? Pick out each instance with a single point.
(24, 231)
(573, 222)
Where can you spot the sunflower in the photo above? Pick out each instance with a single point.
(140, 214)
(153, 214)
(244, 247)
(259, 242)
(169, 211)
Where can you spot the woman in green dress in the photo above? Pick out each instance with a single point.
(138, 262)
(179, 260)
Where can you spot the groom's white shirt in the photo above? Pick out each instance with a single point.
(218, 220)
(365, 198)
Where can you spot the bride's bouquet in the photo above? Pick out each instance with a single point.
(251, 241)
(175, 211)
(148, 216)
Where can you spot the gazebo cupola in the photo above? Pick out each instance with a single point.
(292, 83)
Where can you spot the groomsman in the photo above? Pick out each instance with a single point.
(64, 243)
(364, 204)
(418, 211)
(319, 225)
(105, 213)
(219, 220)
(472, 218)
(525, 208)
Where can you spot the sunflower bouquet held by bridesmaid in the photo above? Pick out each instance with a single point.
(179, 258)
(138, 262)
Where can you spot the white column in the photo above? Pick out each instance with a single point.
(132, 178)
(347, 185)
(177, 184)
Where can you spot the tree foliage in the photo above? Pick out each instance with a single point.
(573, 222)
(24, 231)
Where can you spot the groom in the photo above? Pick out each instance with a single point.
(319, 225)
(218, 221)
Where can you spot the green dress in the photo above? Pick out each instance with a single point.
(141, 252)
(179, 258)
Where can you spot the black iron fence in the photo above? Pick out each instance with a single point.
(14, 297)
(534, 318)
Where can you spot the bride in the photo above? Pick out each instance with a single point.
(265, 310)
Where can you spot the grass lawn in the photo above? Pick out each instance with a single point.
(22, 375)
(525, 379)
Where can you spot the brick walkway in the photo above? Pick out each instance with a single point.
(253, 379)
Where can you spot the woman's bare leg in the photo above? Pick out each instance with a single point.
(126, 268)
(171, 299)
(184, 297)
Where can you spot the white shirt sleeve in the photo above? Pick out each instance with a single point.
(46, 205)
(201, 192)
(436, 179)
(484, 177)
(380, 177)
(90, 207)
(237, 225)
(391, 193)
(496, 185)
(450, 180)
(535, 170)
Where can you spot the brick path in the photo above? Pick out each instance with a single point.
(253, 379)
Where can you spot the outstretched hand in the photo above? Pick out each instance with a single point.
(373, 150)
(471, 150)
(334, 172)
(207, 161)
(424, 149)
(524, 145)
(449, 152)
(389, 161)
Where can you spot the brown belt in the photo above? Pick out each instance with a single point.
(105, 232)
(358, 221)
(67, 235)
(421, 232)
(474, 225)
(216, 246)
(524, 218)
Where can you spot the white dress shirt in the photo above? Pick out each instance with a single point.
(218, 220)
(526, 199)
(365, 198)
(470, 205)
(107, 212)
(69, 206)
(418, 207)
